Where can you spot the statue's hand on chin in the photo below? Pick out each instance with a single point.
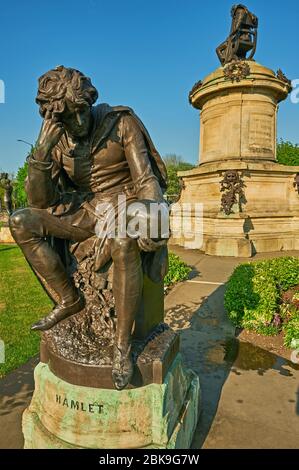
(49, 136)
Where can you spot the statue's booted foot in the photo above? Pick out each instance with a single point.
(122, 368)
(59, 313)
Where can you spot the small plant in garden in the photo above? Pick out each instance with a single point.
(289, 314)
(178, 270)
(264, 296)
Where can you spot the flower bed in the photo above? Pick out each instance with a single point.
(263, 296)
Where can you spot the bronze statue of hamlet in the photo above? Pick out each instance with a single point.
(86, 159)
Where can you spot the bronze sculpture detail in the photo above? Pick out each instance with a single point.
(242, 38)
(296, 182)
(195, 87)
(87, 158)
(5, 183)
(232, 187)
(236, 70)
(281, 76)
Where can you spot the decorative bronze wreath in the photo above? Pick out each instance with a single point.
(236, 70)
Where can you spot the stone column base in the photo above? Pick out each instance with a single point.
(265, 220)
(65, 416)
(235, 247)
(5, 235)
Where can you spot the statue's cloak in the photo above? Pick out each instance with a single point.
(102, 111)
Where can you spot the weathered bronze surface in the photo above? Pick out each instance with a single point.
(195, 87)
(232, 186)
(86, 158)
(281, 76)
(296, 182)
(236, 70)
(5, 183)
(242, 38)
(152, 359)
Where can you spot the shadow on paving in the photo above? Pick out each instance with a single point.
(210, 349)
(15, 394)
(204, 333)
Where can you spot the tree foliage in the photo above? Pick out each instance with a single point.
(20, 195)
(287, 153)
(175, 163)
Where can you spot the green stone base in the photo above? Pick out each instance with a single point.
(65, 416)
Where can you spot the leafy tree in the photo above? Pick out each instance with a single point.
(175, 163)
(1, 198)
(287, 153)
(19, 186)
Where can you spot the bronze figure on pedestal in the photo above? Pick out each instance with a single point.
(242, 38)
(86, 157)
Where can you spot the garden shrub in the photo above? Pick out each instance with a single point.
(178, 270)
(291, 333)
(254, 296)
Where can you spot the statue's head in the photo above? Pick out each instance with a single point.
(237, 7)
(231, 176)
(66, 95)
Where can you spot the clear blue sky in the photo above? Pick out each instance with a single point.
(146, 54)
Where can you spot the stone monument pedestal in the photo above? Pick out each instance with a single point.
(238, 129)
(5, 235)
(161, 413)
(75, 403)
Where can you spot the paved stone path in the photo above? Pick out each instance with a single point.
(250, 397)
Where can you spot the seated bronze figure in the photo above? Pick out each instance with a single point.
(242, 37)
(87, 156)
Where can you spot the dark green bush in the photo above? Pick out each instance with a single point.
(254, 292)
(178, 271)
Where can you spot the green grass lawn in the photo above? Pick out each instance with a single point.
(22, 302)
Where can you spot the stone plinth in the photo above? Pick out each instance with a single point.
(62, 415)
(238, 123)
(75, 403)
(5, 235)
(238, 118)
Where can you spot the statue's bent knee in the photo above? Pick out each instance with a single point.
(18, 221)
